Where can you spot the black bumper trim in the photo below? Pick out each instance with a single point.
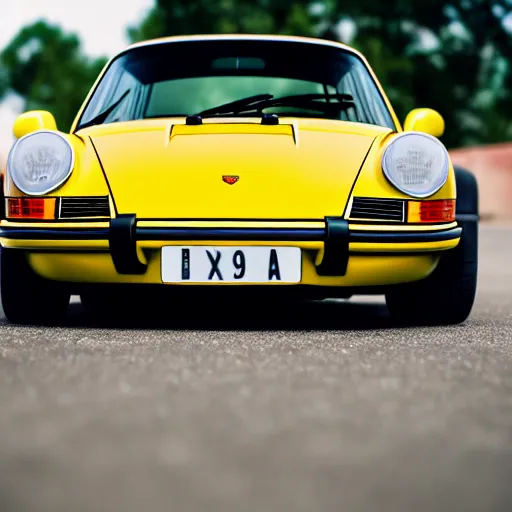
(243, 234)
(123, 234)
(381, 237)
(291, 234)
(54, 234)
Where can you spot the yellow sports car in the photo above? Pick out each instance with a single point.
(261, 164)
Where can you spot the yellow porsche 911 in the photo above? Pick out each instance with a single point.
(269, 165)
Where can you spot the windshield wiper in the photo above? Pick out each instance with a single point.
(100, 118)
(320, 102)
(330, 104)
(233, 107)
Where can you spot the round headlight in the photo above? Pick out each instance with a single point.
(40, 162)
(416, 164)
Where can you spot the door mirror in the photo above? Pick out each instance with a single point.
(425, 120)
(32, 121)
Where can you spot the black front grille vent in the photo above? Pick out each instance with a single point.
(369, 208)
(80, 207)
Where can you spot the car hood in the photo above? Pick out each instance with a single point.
(234, 169)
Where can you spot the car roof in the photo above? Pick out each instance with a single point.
(243, 37)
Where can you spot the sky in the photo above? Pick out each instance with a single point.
(101, 25)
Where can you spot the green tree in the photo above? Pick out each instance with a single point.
(180, 17)
(47, 68)
(450, 55)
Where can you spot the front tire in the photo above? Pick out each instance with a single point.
(447, 295)
(26, 297)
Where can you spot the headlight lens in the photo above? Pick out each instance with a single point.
(40, 162)
(416, 164)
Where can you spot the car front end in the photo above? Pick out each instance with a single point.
(281, 194)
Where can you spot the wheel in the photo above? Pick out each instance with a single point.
(447, 295)
(26, 297)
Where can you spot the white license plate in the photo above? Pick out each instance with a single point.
(202, 264)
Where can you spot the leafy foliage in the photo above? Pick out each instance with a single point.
(447, 55)
(228, 16)
(451, 55)
(45, 66)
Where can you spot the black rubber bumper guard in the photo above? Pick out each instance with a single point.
(335, 260)
(122, 240)
(123, 246)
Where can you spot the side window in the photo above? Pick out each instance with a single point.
(127, 85)
(369, 105)
(116, 82)
(102, 94)
(348, 85)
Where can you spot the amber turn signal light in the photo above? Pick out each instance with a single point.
(31, 208)
(431, 211)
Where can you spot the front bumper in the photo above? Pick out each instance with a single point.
(337, 252)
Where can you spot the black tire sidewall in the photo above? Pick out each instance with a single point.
(26, 297)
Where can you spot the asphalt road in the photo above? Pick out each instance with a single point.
(325, 408)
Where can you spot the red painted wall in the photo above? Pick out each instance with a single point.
(492, 166)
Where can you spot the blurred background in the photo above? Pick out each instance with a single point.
(453, 56)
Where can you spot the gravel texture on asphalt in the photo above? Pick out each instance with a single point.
(324, 407)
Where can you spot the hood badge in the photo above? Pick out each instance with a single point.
(230, 180)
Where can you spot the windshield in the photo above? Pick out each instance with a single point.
(185, 78)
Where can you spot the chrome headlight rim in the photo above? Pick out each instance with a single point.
(55, 185)
(446, 165)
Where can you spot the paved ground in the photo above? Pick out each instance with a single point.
(327, 409)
